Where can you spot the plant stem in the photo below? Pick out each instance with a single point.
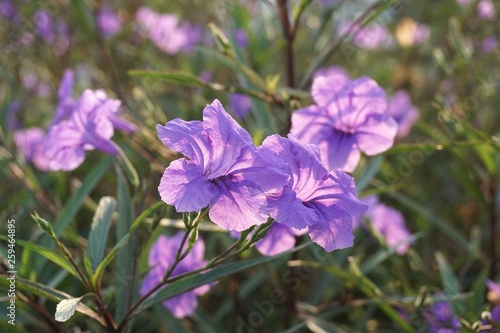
(289, 35)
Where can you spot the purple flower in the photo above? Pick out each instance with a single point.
(403, 112)
(223, 170)
(240, 104)
(440, 318)
(45, 26)
(371, 37)
(8, 11)
(108, 22)
(324, 202)
(390, 223)
(349, 117)
(66, 103)
(241, 37)
(489, 44)
(90, 126)
(161, 257)
(486, 10)
(30, 143)
(167, 32)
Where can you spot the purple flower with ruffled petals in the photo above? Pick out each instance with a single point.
(223, 170)
(90, 126)
(168, 32)
(240, 104)
(440, 318)
(108, 22)
(66, 103)
(486, 10)
(8, 11)
(30, 143)
(349, 118)
(390, 223)
(403, 112)
(161, 257)
(324, 202)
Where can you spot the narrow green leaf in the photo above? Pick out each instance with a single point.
(125, 253)
(51, 294)
(145, 214)
(84, 17)
(108, 258)
(49, 254)
(99, 230)
(74, 204)
(449, 281)
(194, 281)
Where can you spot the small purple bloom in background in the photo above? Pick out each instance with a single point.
(324, 202)
(161, 257)
(278, 239)
(411, 33)
(90, 126)
(403, 112)
(8, 11)
(486, 10)
(241, 37)
(440, 318)
(108, 22)
(489, 44)
(240, 104)
(349, 116)
(371, 37)
(45, 26)
(30, 143)
(223, 170)
(387, 222)
(168, 32)
(390, 223)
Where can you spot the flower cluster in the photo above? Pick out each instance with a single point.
(243, 184)
(161, 257)
(441, 319)
(168, 32)
(78, 125)
(349, 117)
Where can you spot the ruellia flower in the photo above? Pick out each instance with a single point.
(440, 318)
(371, 37)
(390, 224)
(314, 198)
(240, 104)
(403, 112)
(161, 257)
(108, 22)
(66, 104)
(349, 117)
(30, 143)
(89, 126)
(168, 32)
(222, 169)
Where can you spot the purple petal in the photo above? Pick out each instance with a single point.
(185, 137)
(182, 305)
(237, 205)
(377, 134)
(334, 230)
(279, 238)
(290, 210)
(391, 225)
(184, 186)
(327, 83)
(495, 287)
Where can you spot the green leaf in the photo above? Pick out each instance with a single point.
(51, 294)
(49, 254)
(99, 230)
(145, 214)
(43, 224)
(196, 280)
(74, 204)
(66, 308)
(125, 253)
(108, 258)
(449, 282)
(84, 17)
